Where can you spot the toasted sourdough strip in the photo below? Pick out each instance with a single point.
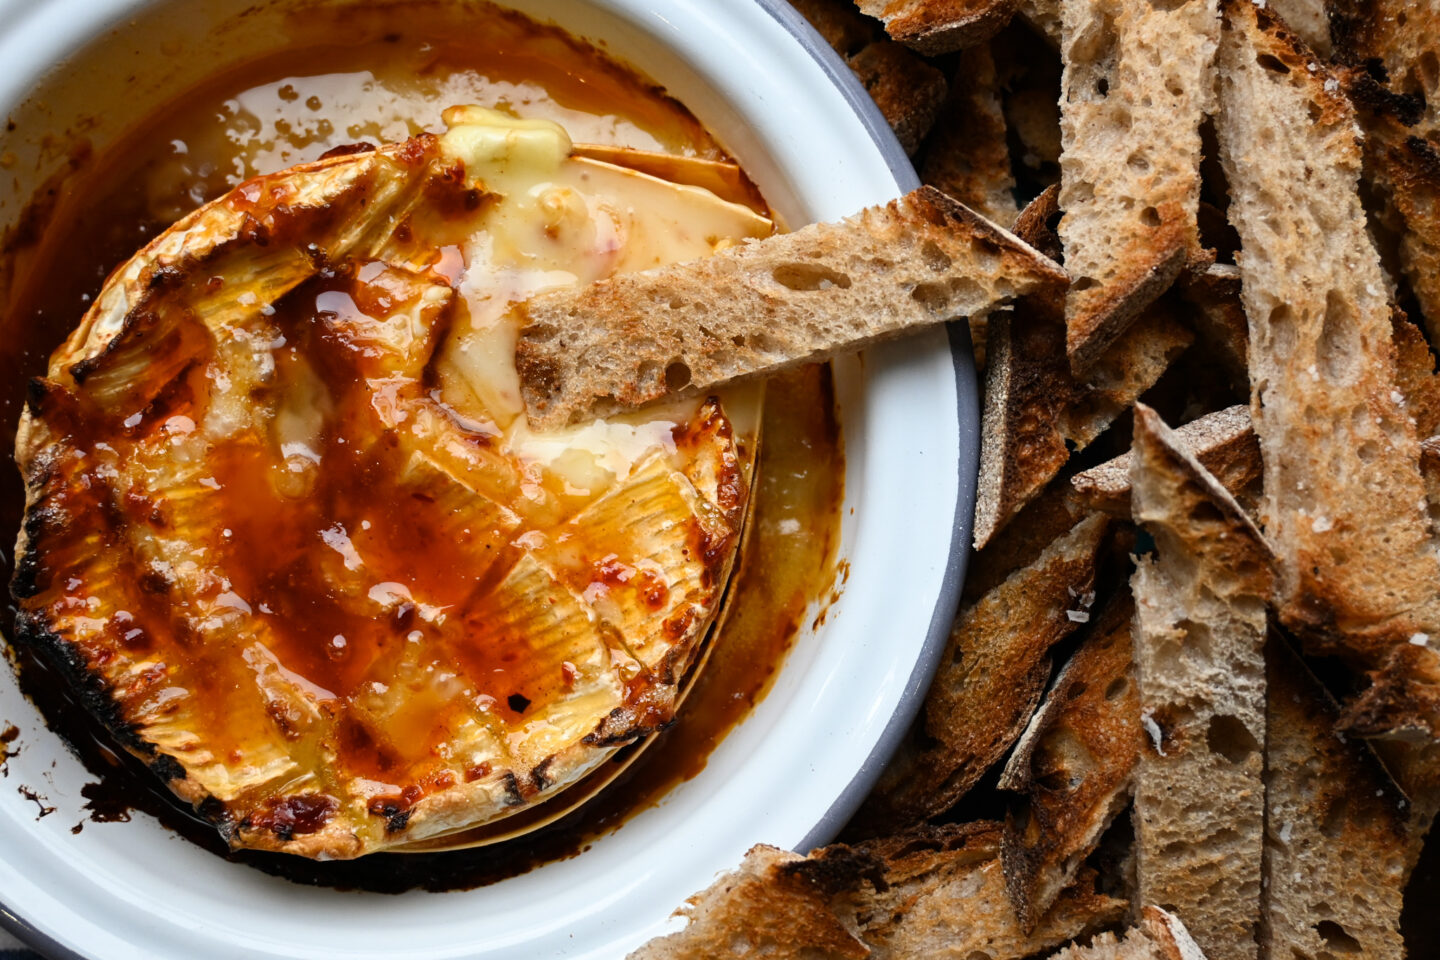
(932, 892)
(908, 91)
(942, 895)
(990, 680)
(786, 300)
(1159, 936)
(1222, 442)
(1336, 828)
(1043, 521)
(1200, 624)
(1036, 411)
(1400, 108)
(842, 26)
(1404, 693)
(775, 904)
(1343, 491)
(940, 26)
(1137, 84)
(967, 155)
(1073, 765)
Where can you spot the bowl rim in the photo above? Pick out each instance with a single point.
(968, 415)
(968, 418)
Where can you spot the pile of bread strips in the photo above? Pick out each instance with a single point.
(1191, 703)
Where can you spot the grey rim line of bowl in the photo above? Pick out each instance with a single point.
(968, 416)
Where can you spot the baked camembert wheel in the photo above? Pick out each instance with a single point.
(287, 528)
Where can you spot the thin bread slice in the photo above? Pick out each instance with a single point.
(1036, 411)
(843, 27)
(967, 155)
(1336, 828)
(1073, 766)
(1343, 492)
(990, 680)
(1393, 47)
(1159, 936)
(1137, 84)
(908, 91)
(777, 905)
(757, 308)
(1415, 375)
(1223, 442)
(1200, 628)
(943, 895)
(1043, 521)
(940, 26)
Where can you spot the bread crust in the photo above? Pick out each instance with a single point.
(1037, 413)
(790, 299)
(1223, 442)
(940, 26)
(990, 680)
(1199, 634)
(1342, 480)
(1336, 835)
(1130, 180)
(1073, 766)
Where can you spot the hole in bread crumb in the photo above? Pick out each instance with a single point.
(1282, 331)
(1231, 739)
(934, 297)
(1084, 283)
(1314, 110)
(677, 376)
(1150, 217)
(1077, 690)
(1117, 688)
(738, 340)
(1138, 163)
(1102, 87)
(934, 257)
(539, 332)
(1428, 66)
(808, 276)
(1336, 939)
(1339, 348)
(1368, 452)
(1271, 63)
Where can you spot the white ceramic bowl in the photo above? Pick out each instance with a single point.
(789, 775)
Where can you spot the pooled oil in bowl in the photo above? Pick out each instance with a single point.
(295, 106)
